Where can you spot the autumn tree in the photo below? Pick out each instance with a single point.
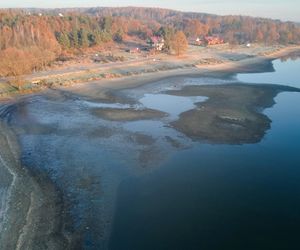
(179, 43)
(168, 34)
(194, 28)
(259, 36)
(272, 34)
(42, 38)
(14, 63)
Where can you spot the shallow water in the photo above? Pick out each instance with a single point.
(169, 104)
(144, 185)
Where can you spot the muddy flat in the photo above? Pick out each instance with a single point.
(231, 115)
(127, 114)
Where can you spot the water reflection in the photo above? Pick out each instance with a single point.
(294, 57)
(87, 156)
(220, 196)
(286, 73)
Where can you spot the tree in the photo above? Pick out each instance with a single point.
(92, 38)
(104, 37)
(74, 38)
(194, 28)
(259, 36)
(83, 38)
(168, 34)
(179, 43)
(14, 63)
(273, 35)
(118, 36)
(63, 40)
(107, 23)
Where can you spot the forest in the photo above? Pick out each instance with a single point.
(31, 39)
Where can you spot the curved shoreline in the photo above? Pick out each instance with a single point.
(103, 89)
(32, 211)
(186, 67)
(37, 214)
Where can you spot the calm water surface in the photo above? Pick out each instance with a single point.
(143, 185)
(222, 197)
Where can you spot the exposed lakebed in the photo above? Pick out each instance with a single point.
(182, 163)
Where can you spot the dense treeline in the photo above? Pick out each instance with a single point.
(26, 43)
(30, 42)
(32, 39)
(235, 29)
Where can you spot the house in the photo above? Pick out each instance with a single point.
(213, 40)
(36, 82)
(199, 41)
(133, 50)
(207, 40)
(156, 42)
(196, 41)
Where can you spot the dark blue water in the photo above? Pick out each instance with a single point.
(222, 196)
(131, 185)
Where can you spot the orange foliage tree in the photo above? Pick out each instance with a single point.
(14, 63)
(179, 43)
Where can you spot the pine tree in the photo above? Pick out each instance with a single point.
(64, 40)
(74, 38)
(83, 38)
(118, 36)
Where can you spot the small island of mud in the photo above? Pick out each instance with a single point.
(231, 115)
(128, 114)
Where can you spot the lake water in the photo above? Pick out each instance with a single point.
(222, 197)
(144, 185)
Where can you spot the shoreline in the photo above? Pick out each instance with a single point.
(105, 86)
(197, 70)
(31, 189)
(28, 197)
(137, 79)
